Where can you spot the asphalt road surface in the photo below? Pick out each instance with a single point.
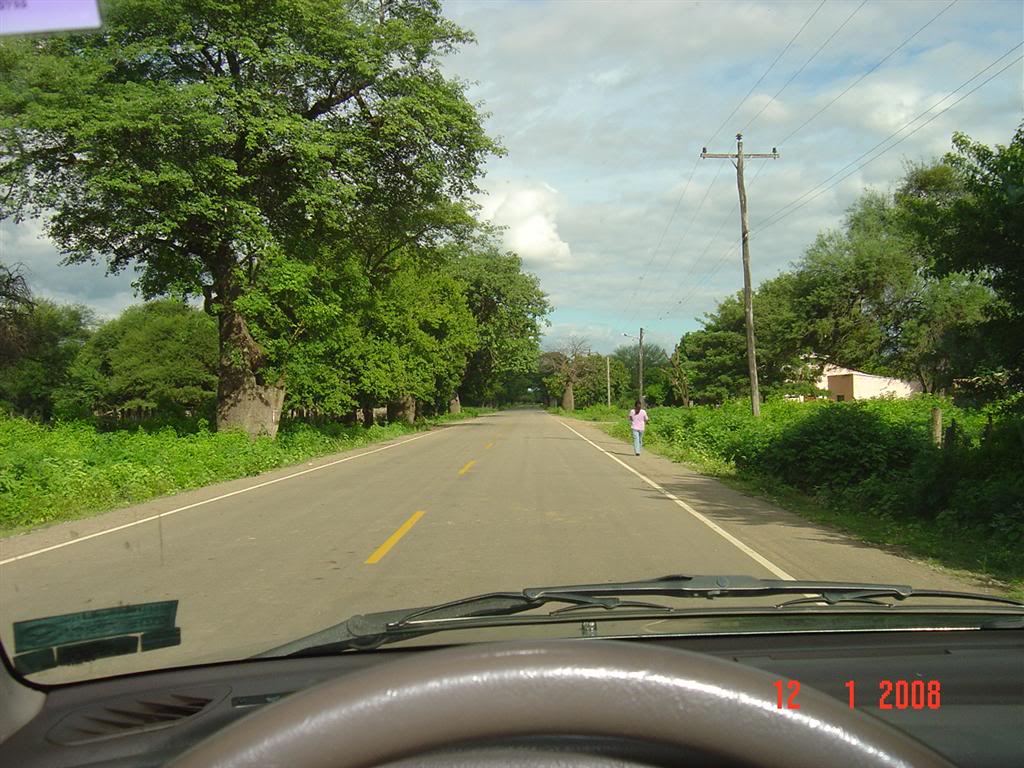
(501, 502)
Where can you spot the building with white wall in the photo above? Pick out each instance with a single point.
(849, 384)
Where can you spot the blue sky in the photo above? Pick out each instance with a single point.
(603, 108)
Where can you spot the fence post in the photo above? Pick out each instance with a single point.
(937, 426)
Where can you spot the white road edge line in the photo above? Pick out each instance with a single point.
(710, 524)
(149, 519)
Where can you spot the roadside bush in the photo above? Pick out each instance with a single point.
(837, 445)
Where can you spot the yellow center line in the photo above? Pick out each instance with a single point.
(488, 446)
(469, 464)
(384, 548)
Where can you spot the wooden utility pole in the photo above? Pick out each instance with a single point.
(748, 297)
(641, 366)
(608, 379)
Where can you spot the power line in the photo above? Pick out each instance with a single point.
(664, 315)
(686, 186)
(718, 263)
(765, 74)
(881, 61)
(781, 213)
(721, 261)
(725, 254)
(775, 217)
(707, 247)
(804, 66)
(689, 225)
(654, 252)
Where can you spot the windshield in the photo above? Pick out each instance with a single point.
(312, 309)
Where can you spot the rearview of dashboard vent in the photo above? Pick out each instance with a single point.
(133, 714)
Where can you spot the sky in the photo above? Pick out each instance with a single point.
(603, 108)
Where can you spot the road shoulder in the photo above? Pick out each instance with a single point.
(19, 544)
(803, 548)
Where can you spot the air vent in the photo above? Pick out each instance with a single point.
(133, 714)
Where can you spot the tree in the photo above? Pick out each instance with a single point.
(51, 335)
(591, 388)
(214, 145)
(857, 286)
(418, 335)
(562, 368)
(15, 306)
(715, 364)
(509, 308)
(966, 216)
(679, 376)
(159, 356)
(655, 358)
(866, 297)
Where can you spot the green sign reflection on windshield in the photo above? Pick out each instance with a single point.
(74, 638)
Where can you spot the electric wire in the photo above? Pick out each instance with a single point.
(880, 62)
(765, 74)
(803, 66)
(820, 188)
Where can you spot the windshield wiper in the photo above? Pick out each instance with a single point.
(372, 630)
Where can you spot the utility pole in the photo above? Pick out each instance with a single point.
(748, 299)
(641, 366)
(640, 363)
(608, 379)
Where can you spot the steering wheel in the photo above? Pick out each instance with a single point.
(589, 688)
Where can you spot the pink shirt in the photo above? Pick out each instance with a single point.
(638, 420)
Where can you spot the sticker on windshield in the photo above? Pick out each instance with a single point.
(26, 16)
(75, 638)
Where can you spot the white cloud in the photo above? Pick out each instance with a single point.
(529, 214)
(47, 277)
(610, 77)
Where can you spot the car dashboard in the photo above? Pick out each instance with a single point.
(959, 692)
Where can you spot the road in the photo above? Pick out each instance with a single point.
(513, 499)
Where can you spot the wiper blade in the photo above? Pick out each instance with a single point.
(373, 630)
(871, 596)
(710, 587)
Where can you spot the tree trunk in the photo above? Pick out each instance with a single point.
(403, 409)
(568, 400)
(367, 416)
(455, 406)
(244, 400)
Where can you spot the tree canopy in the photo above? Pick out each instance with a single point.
(159, 356)
(226, 149)
(907, 287)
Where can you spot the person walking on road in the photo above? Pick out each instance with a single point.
(638, 421)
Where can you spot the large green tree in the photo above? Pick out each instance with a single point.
(418, 335)
(51, 336)
(510, 311)
(655, 361)
(967, 215)
(159, 357)
(217, 144)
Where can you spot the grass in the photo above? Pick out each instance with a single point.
(50, 474)
(953, 543)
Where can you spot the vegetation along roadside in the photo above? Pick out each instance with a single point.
(49, 474)
(957, 506)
